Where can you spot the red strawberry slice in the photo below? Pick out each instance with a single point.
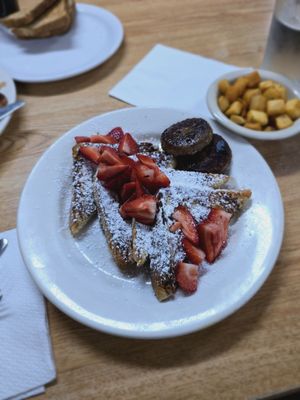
(114, 184)
(110, 156)
(213, 233)
(143, 209)
(128, 145)
(181, 214)
(148, 161)
(187, 276)
(105, 172)
(90, 153)
(193, 253)
(103, 139)
(126, 160)
(127, 191)
(144, 173)
(139, 191)
(82, 139)
(161, 180)
(117, 133)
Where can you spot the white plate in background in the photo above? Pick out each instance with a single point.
(94, 37)
(79, 275)
(9, 90)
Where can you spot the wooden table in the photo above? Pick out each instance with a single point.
(254, 352)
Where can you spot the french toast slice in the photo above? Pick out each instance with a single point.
(29, 10)
(83, 207)
(54, 21)
(161, 249)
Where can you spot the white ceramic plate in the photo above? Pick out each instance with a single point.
(79, 275)
(9, 90)
(212, 103)
(94, 37)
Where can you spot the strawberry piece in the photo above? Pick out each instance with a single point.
(82, 139)
(174, 227)
(110, 156)
(143, 209)
(213, 233)
(193, 253)
(161, 180)
(90, 153)
(117, 133)
(103, 139)
(127, 191)
(148, 161)
(105, 172)
(187, 276)
(182, 215)
(144, 173)
(117, 182)
(128, 145)
(127, 160)
(139, 191)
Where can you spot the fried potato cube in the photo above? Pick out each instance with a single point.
(269, 128)
(292, 108)
(249, 93)
(264, 85)
(253, 125)
(235, 108)
(223, 85)
(282, 90)
(257, 116)
(232, 93)
(253, 79)
(258, 102)
(238, 119)
(223, 103)
(274, 93)
(241, 84)
(275, 107)
(283, 121)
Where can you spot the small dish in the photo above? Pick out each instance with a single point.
(211, 99)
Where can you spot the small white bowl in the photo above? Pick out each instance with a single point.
(212, 103)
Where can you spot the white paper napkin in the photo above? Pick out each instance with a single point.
(167, 77)
(26, 362)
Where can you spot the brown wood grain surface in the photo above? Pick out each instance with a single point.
(253, 353)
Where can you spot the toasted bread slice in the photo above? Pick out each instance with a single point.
(29, 10)
(83, 207)
(56, 20)
(117, 231)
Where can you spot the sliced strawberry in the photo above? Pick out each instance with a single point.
(103, 139)
(144, 173)
(193, 253)
(187, 276)
(182, 215)
(117, 133)
(117, 182)
(139, 191)
(161, 180)
(90, 153)
(127, 191)
(143, 209)
(213, 233)
(110, 156)
(82, 139)
(127, 160)
(128, 145)
(148, 161)
(173, 228)
(106, 172)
